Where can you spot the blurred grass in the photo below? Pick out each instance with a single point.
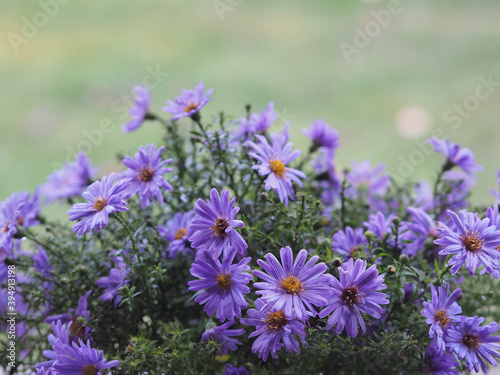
(65, 79)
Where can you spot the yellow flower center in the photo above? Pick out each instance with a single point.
(277, 167)
(442, 318)
(99, 204)
(190, 107)
(224, 281)
(275, 320)
(180, 233)
(472, 242)
(291, 285)
(146, 174)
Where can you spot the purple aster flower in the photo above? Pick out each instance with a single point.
(461, 157)
(422, 196)
(104, 199)
(223, 336)
(274, 160)
(139, 111)
(275, 330)
(60, 337)
(17, 210)
(43, 371)
(329, 178)
(457, 187)
(81, 359)
(349, 242)
(474, 343)
(77, 329)
(294, 286)
(323, 135)
(493, 215)
(176, 232)
(364, 177)
(116, 279)
(231, 370)
(223, 285)
(439, 363)
(496, 194)
(257, 123)
(441, 312)
(69, 181)
(418, 230)
(356, 292)
(146, 174)
(213, 227)
(189, 103)
(42, 265)
(472, 243)
(379, 225)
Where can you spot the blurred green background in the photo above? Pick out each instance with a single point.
(69, 66)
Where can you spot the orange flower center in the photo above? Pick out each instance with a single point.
(180, 233)
(146, 174)
(442, 318)
(291, 285)
(224, 281)
(275, 320)
(472, 242)
(190, 107)
(277, 167)
(20, 221)
(99, 204)
(220, 227)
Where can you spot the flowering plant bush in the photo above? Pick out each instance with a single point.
(223, 250)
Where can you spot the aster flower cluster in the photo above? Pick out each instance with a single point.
(226, 249)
